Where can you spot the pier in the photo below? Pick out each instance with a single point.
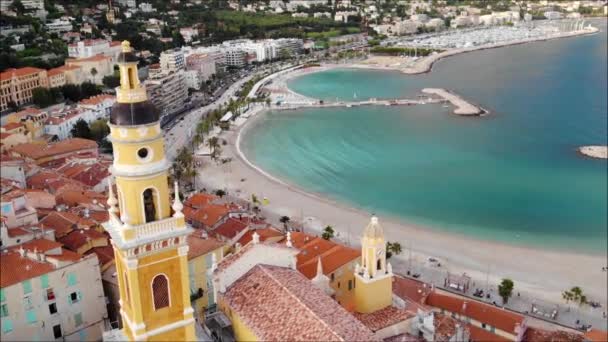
(462, 107)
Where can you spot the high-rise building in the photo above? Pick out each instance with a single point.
(172, 60)
(148, 233)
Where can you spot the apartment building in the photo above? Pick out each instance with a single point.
(93, 68)
(166, 90)
(100, 105)
(15, 209)
(172, 60)
(65, 74)
(203, 63)
(16, 85)
(60, 123)
(91, 47)
(48, 293)
(33, 119)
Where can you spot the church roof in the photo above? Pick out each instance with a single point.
(280, 304)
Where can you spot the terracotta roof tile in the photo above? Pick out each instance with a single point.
(209, 215)
(230, 228)
(383, 318)
(105, 255)
(78, 238)
(12, 72)
(200, 246)
(596, 335)
(36, 151)
(15, 269)
(200, 199)
(411, 289)
(265, 234)
(478, 334)
(333, 255)
(269, 299)
(97, 99)
(502, 319)
(64, 222)
(533, 334)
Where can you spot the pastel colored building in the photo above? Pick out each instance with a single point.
(48, 293)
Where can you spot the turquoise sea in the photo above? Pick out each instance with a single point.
(513, 176)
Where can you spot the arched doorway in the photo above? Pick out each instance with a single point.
(149, 205)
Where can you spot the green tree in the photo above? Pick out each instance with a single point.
(43, 97)
(99, 130)
(111, 81)
(93, 72)
(220, 193)
(17, 7)
(392, 248)
(328, 233)
(81, 130)
(505, 289)
(214, 145)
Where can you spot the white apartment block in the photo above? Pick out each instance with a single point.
(99, 105)
(203, 63)
(128, 3)
(48, 293)
(15, 209)
(166, 90)
(146, 7)
(60, 123)
(193, 79)
(59, 26)
(172, 60)
(91, 47)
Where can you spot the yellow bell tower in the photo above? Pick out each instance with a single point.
(148, 234)
(374, 277)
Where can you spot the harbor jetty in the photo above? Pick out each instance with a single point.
(594, 151)
(462, 107)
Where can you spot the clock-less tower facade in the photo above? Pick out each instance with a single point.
(374, 277)
(148, 231)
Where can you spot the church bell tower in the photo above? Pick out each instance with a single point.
(374, 277)
(148, 231)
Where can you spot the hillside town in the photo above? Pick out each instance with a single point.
(109, 108)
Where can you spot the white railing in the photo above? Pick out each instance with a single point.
(156, 227)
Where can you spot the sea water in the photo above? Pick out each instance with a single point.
(513, 176)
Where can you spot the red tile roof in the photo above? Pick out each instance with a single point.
(95, 58)
(12, 72)
(497, 317)
(36, 151)
(596, 335)
(27, 111)
(64, 222)
(209, 215)
(79, 238)
(478, 334)
(17, 231)
(383, 318)
(265, 234)
(97, 99)
(199, 200)
(230, 228)
(541, 335)
(15, 268)
(269, 299)
(411, 289)
(333, 255)
(105, 255)
(200, 246)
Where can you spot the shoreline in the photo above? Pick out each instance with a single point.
(594, 151)
(462, 253)
(425, 64)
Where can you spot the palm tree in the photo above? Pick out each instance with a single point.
(214, 145)
(94, 73)
(284, 220)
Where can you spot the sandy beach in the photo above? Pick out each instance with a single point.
(543, 273)
(599, 152)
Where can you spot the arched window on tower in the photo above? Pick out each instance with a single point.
(131, 75)
(379, 264)
(149, 206)
(160, 291)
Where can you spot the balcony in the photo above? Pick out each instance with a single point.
(155, 228)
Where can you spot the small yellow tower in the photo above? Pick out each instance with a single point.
(373, 278)
(148, 234)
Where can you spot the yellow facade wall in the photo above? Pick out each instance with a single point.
(344, 295)
(199, 276)
(127, 152)
(241, 331)
(374, 295)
